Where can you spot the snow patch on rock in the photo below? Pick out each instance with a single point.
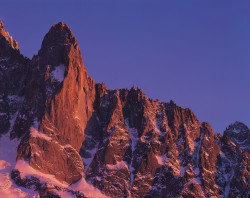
(36, 134)
(87, 189)
(87, 161)
(58, 73)
(133, 133)
(27, 171)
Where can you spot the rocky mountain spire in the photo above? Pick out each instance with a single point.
(13, 75)
(56, 44)
(7, 37)
(124, 144)
(68, 95)
(59, 46)
(239, 133)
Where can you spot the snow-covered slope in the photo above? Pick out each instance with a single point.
(8, 153)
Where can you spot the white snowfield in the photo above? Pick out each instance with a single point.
(8, 153)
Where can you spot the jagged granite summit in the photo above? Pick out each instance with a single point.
(64, 135)
(239, 133)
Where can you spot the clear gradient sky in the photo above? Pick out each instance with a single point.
(194, 52)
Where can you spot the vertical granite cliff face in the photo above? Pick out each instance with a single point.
(67, 98)
(119, 141)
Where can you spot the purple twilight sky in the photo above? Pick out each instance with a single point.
(194, 52)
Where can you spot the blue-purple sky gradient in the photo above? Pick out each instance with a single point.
(194, 52)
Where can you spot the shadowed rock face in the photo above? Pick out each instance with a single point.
(239, 133)
(232, 176)
(121, 141)
(14, 70)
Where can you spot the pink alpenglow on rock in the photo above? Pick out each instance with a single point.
(64, 135)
